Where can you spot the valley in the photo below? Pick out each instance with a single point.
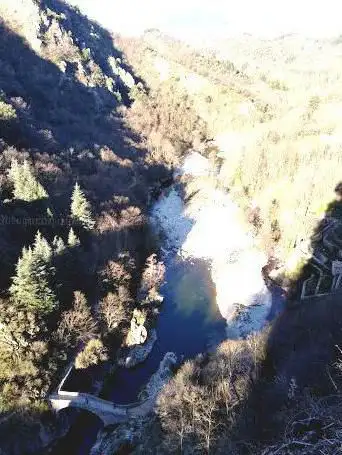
(170, 228)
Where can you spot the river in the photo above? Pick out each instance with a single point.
(213, 289)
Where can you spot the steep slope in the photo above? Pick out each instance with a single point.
(274, 118)
(279, 156)
(75, 187)
(85, 143)
(68, 77)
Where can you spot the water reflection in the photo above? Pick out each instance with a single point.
(192, 289)
(189, 323)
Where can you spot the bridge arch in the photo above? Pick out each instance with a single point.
(110, 413)
(87, 417)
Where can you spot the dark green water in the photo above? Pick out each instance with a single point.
(189, 323)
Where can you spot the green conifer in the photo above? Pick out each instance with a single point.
(26, 186)
(58, 245)
(80, 208)
(41, 248)
(73, 240)
(30, 287)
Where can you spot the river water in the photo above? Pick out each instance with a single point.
(189, 323)
(213, 289)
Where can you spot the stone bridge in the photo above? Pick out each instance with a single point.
(110, 413)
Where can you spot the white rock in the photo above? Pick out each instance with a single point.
(196, 165)
(212, 227)
(160, 377)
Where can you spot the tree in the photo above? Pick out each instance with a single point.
(41, 248)
(7, 111)
(92, 354)
(26, 186)
(200, 404)
(73, 240)
(78, 323)
(58, 245)
(154, 273)
(152, 278)
(30, 287)
(23, 350)
(80, 208)
(114, 308)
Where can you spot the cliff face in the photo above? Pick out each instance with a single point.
(68, 77)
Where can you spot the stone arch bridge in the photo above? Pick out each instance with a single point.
(110, 413)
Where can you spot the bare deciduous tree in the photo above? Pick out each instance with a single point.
(78, 323)
(114, 308)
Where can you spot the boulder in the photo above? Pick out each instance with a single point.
(137, 354)
(138, 333)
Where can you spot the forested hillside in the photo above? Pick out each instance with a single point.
(270, 120)
(75, 184)
(272, 107)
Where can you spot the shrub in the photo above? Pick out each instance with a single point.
(93, 353)
(7, 111)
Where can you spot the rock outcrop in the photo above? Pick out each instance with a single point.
(160, 377)
(138, 332)
(139, 353)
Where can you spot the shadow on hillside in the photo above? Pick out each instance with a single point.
(90, 35)
(57, 113)
(302, 344)
(55, 110)
(74, 124)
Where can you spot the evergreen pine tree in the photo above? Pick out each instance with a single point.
(80, 208)
(73, 240)
(58, 245)
(26, 186)
(42, 249)
(30, 287)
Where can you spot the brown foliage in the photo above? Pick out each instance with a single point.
(152, 278)
(109, 156)
(201, 404)
(118, 273)
(166, 117)
(154, 272)
(77, 324)
(131, 216)
(115, 308)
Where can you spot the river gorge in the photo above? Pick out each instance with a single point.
(213, 287)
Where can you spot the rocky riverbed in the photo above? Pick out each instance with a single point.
(210, 226)
(214, 286)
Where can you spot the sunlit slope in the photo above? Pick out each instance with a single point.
(274, 108)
